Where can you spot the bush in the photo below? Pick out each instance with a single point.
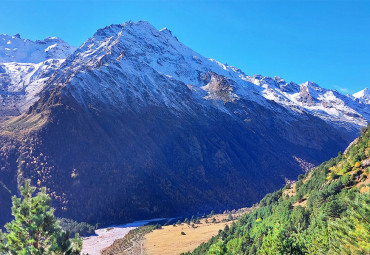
(74, 227)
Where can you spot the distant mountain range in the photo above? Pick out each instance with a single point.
(134, 124)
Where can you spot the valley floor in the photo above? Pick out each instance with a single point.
(170, 241)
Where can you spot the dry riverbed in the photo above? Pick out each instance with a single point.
(105, 237)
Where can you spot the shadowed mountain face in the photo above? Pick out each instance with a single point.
(110, 167)
(136, 125)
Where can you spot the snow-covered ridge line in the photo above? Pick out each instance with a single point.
(127, 47)
(129, 53)
(363, 96)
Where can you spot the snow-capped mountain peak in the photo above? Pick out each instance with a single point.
(15, 49)
(137, 51)
(132, 47)
(25, 65)
(363, 96)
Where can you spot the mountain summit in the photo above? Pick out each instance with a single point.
(135, 121)
(363, 96)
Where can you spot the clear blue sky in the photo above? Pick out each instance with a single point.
(323, 41)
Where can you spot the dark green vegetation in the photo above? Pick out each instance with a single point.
(34, 230)
(326, 212)
(74, 227)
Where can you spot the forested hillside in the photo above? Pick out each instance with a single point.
(327, 211)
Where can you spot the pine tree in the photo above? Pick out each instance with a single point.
(34, 229)
(351, 234)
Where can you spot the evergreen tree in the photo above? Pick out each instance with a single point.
(34, 229)
(351, 234)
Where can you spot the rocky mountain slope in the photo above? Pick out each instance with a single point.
(134, 124)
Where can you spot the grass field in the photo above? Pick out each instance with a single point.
(170, 241)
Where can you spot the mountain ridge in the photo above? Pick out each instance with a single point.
(327, 104)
